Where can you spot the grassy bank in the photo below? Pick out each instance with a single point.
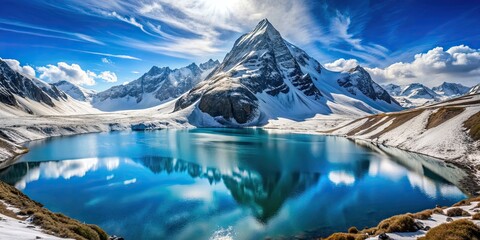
(456, 222)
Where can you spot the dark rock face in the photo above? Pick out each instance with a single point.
(12, 82)
(235, 103)
(7, 97)
(358, 79)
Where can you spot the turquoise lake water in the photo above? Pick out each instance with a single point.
(239, 183)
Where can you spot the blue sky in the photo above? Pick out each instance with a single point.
(103, 43)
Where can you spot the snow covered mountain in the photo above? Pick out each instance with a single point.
(451, 89)
(153, 88)
(265, 77)
(20, 95)
(75, 91)
(417, 94)
(475, 89)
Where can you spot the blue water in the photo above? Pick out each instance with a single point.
(241, 183)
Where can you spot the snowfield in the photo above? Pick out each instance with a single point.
(437, 130)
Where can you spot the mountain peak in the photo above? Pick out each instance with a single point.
(265, 26)
(358, 68)
(210, 64)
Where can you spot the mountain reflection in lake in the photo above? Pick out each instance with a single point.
(243, 183)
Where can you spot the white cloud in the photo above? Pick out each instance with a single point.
(200, 27)
(341, 65)
(108, 76)
(340, 27)
(460, 64)
(106, 61)
(73, 73)
(15, 65)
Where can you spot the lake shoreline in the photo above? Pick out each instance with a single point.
(470, 186)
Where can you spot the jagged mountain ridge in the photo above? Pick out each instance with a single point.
(156, 86)
(475, 89)
(14, 83)
(264, 77)
(20, 95)
(417, 94)
(451, 89)
(75, 91)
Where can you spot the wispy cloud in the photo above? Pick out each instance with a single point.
(108, 54)
(38, 34)
(199, 27)
(46, 32)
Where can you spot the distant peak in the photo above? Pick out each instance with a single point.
(358, 68)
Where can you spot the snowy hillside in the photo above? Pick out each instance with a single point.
(21, 95)
(75, 91)
(417, 94)
(474, 89)
(264, 77)
(424, 129)
(157, 86)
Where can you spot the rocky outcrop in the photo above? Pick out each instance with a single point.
(358, 80)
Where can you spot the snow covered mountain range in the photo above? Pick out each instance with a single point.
(265, 77)
(20, 95)
(417, 94)
(75, 91)
(157, 86)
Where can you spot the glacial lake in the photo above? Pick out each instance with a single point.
(238, 183)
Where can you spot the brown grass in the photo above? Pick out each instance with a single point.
(476, 216)
(353, 230)
(406, 223)
(346, 236)
(399, 223)
(398, 118)
(457, 230)
(461, 203)
(442, 115)
(371, 120)
(466, 202)
(473, 125)
(423, 215)
(53, 223)
(457, 212)
(438, 211)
